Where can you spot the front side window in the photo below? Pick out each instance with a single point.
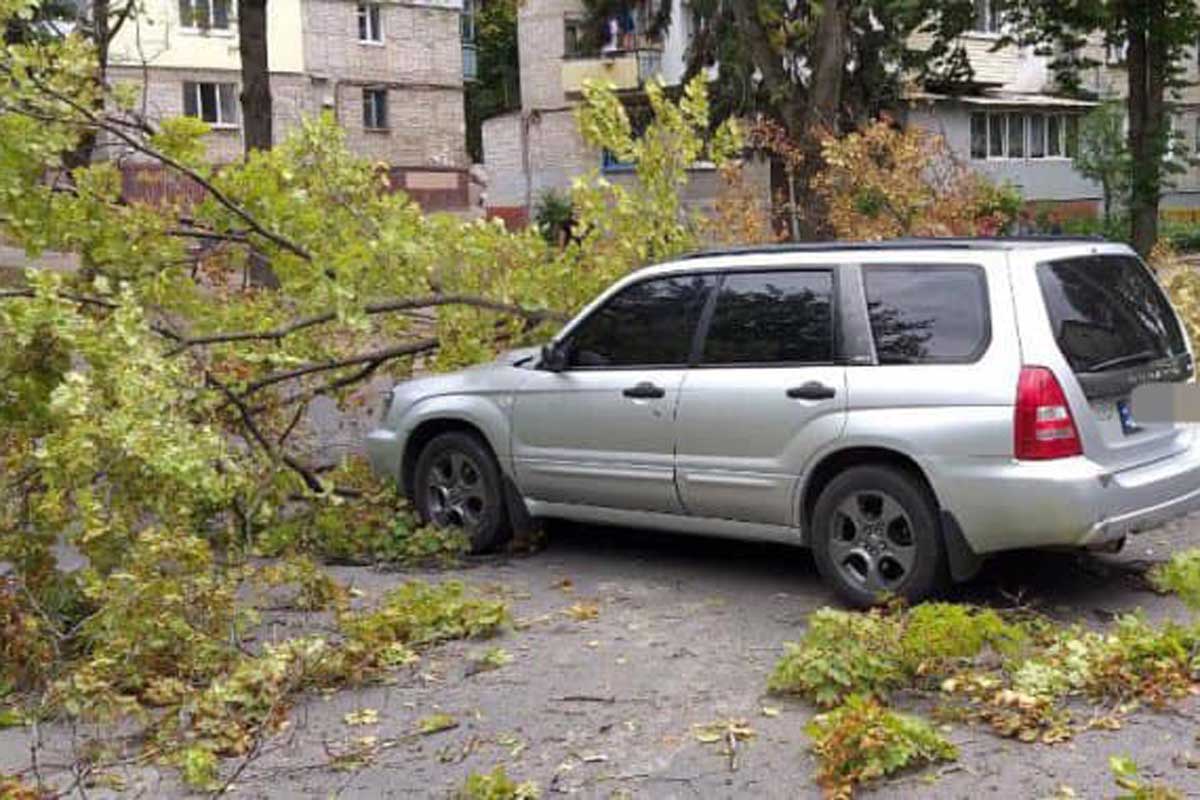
(651, 323)
(927, 314)
(772, 318)
(215, 103)
(375, 110)
(370, 28)
(1108, 313)
(204, 14)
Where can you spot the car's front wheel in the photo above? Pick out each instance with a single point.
(458, 484)
(875, 535)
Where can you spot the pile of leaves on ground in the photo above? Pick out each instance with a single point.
(1017, 673)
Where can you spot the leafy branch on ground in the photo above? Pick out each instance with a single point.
(1018, 673)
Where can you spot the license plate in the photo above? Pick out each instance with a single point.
(1125, 413)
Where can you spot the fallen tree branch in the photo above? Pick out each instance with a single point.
(91, 118)
(380, 356)
(89, 300)
(531, 315)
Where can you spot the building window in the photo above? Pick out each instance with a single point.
(215, 103)
(997, 140)
(204, 14)
(1196, 132)
(1014, 135)
(375, 110)
(979, 135)
(987, 16)
(1037, 136)
(574, 38)
(1116, 54)
(370, 27)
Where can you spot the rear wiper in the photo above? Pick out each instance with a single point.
(1123, 361)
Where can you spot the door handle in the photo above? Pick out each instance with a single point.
(813, 390)
(644, 390)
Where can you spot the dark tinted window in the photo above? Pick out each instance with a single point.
(772, 317)
(649, 323)
(1108, 313)
(927, 314)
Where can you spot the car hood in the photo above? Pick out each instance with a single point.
(505, 374)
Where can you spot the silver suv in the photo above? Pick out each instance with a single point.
(902, 408)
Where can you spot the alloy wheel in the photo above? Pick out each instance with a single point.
(458, 496)
(872, 544)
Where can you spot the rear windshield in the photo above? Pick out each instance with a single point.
(1108, 313)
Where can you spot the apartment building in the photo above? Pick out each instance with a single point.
(538, 148)
(391, 73)
(1011, 123)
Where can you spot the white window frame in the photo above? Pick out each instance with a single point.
(369, 21)
(220, 120)
(1002, 119)
(188, 20)
(369, 93)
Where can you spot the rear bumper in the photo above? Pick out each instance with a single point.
(1002, 504)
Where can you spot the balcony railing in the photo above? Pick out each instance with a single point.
(627, 70)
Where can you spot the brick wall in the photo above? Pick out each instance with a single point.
(419, 63)
(541, 43)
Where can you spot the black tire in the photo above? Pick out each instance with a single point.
(457, 484)
(876, 535)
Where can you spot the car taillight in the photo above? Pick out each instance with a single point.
(1043, 426)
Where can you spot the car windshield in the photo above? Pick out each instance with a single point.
(1108, 313)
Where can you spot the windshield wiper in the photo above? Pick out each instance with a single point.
(1123, 361)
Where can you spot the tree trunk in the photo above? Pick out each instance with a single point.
(256, 83)
(1147, 117)
(81, 156)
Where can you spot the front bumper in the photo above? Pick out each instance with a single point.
(385, 451)
(1003, 504)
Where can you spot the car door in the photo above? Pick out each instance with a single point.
(601, 431)
(764, 396)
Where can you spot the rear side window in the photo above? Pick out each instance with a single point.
(772, 318)
(934, 314)
(1108, 313)
(651, 323)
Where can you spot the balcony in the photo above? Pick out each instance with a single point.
(627, 70)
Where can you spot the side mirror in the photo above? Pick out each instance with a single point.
(554, 357)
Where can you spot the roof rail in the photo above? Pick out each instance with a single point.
(915, 243)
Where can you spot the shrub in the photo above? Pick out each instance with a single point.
(861, 741)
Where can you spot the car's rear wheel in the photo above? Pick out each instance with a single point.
(458, 484)
(875, 535)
